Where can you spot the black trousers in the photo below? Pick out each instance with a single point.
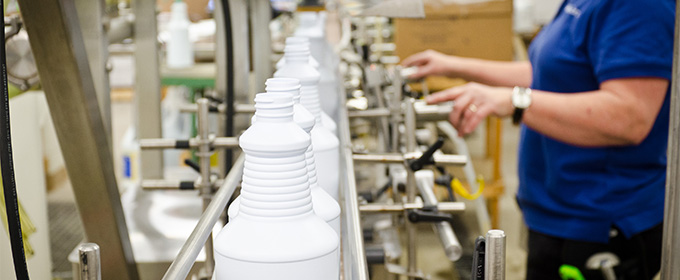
(639, 256)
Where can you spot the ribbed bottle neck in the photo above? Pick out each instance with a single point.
(273, 107)
(293, 58)
(310, 100)
(275, 188)
(311, 168)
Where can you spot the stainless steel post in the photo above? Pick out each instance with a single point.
(448, 238)
(260, 42)
(411, 230)
(221, 79)
(179, 269)
(494, 263)
(147, 86)
(89, 262)
(670, 257)
(92, 17)
(60, 56)
(205, 186)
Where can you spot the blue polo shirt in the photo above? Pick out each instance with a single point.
(581, 193)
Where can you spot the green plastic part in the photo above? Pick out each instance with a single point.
(568, 272)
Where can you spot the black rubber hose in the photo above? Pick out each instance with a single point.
(229, 44)
(8, 181)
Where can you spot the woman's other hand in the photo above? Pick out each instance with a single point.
(472, 103)
(430, 63)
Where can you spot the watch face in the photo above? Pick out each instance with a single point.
(521, 99)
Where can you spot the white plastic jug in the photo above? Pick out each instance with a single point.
(276, 235)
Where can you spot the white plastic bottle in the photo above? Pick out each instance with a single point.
(297, 41)
(326, 144)
(179, 51)
(323, 203)
(300, 68)
(312, 26)
(276, 235)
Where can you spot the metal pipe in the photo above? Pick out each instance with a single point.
(162, 143)
(440, 159)
(204, 185)
(448, 238)
(670, 256)
(238, 108)
(494, 263)
(447, 207)
(424, 113)
(410, 124)
(179, 269)
(89, 262)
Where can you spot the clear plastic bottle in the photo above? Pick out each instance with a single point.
(323, 203)
(326, 143)
(179, 51)
(276, 235)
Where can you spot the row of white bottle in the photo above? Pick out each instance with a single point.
(276, 234)
(286, 222)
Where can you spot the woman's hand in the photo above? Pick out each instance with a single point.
(430, 63)
(472, 103)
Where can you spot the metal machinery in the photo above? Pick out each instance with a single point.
(70, 51)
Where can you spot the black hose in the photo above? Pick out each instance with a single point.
(8, 181)
(229, 44)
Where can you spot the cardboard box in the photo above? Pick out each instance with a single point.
(482, 29)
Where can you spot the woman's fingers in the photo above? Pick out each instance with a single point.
(472, 119)
(460, 105)
(445, 95)
(417, 59)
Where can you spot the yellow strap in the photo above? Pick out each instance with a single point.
(457, 187)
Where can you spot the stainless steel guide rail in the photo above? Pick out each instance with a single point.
(179, 269)
(353, 253)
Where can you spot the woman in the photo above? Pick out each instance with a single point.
(594, 103)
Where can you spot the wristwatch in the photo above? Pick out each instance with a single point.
(521, 99)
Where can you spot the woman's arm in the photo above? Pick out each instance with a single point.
(621, 113)
(496, 73)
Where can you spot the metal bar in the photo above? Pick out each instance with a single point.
(162, 143)
(61, 59)
(89, 262)
(260, 42)
(205, 186)
(424, 113)
(670, 256)
(448, 238)
(238, 108)
(221, 79)
(354, 255)
(448, 207)
(147, 86)
(179, 269)
(91, 15)
(494, 263)
(411, 185)
(456, 160)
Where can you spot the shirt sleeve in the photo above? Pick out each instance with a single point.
(632, 38)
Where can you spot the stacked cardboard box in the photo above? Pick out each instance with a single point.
(479, 28)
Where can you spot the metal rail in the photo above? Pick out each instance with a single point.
(354, 255)
(457, 160)
(670, 257)
(447, 207)
(179, 269)
(163, 143)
